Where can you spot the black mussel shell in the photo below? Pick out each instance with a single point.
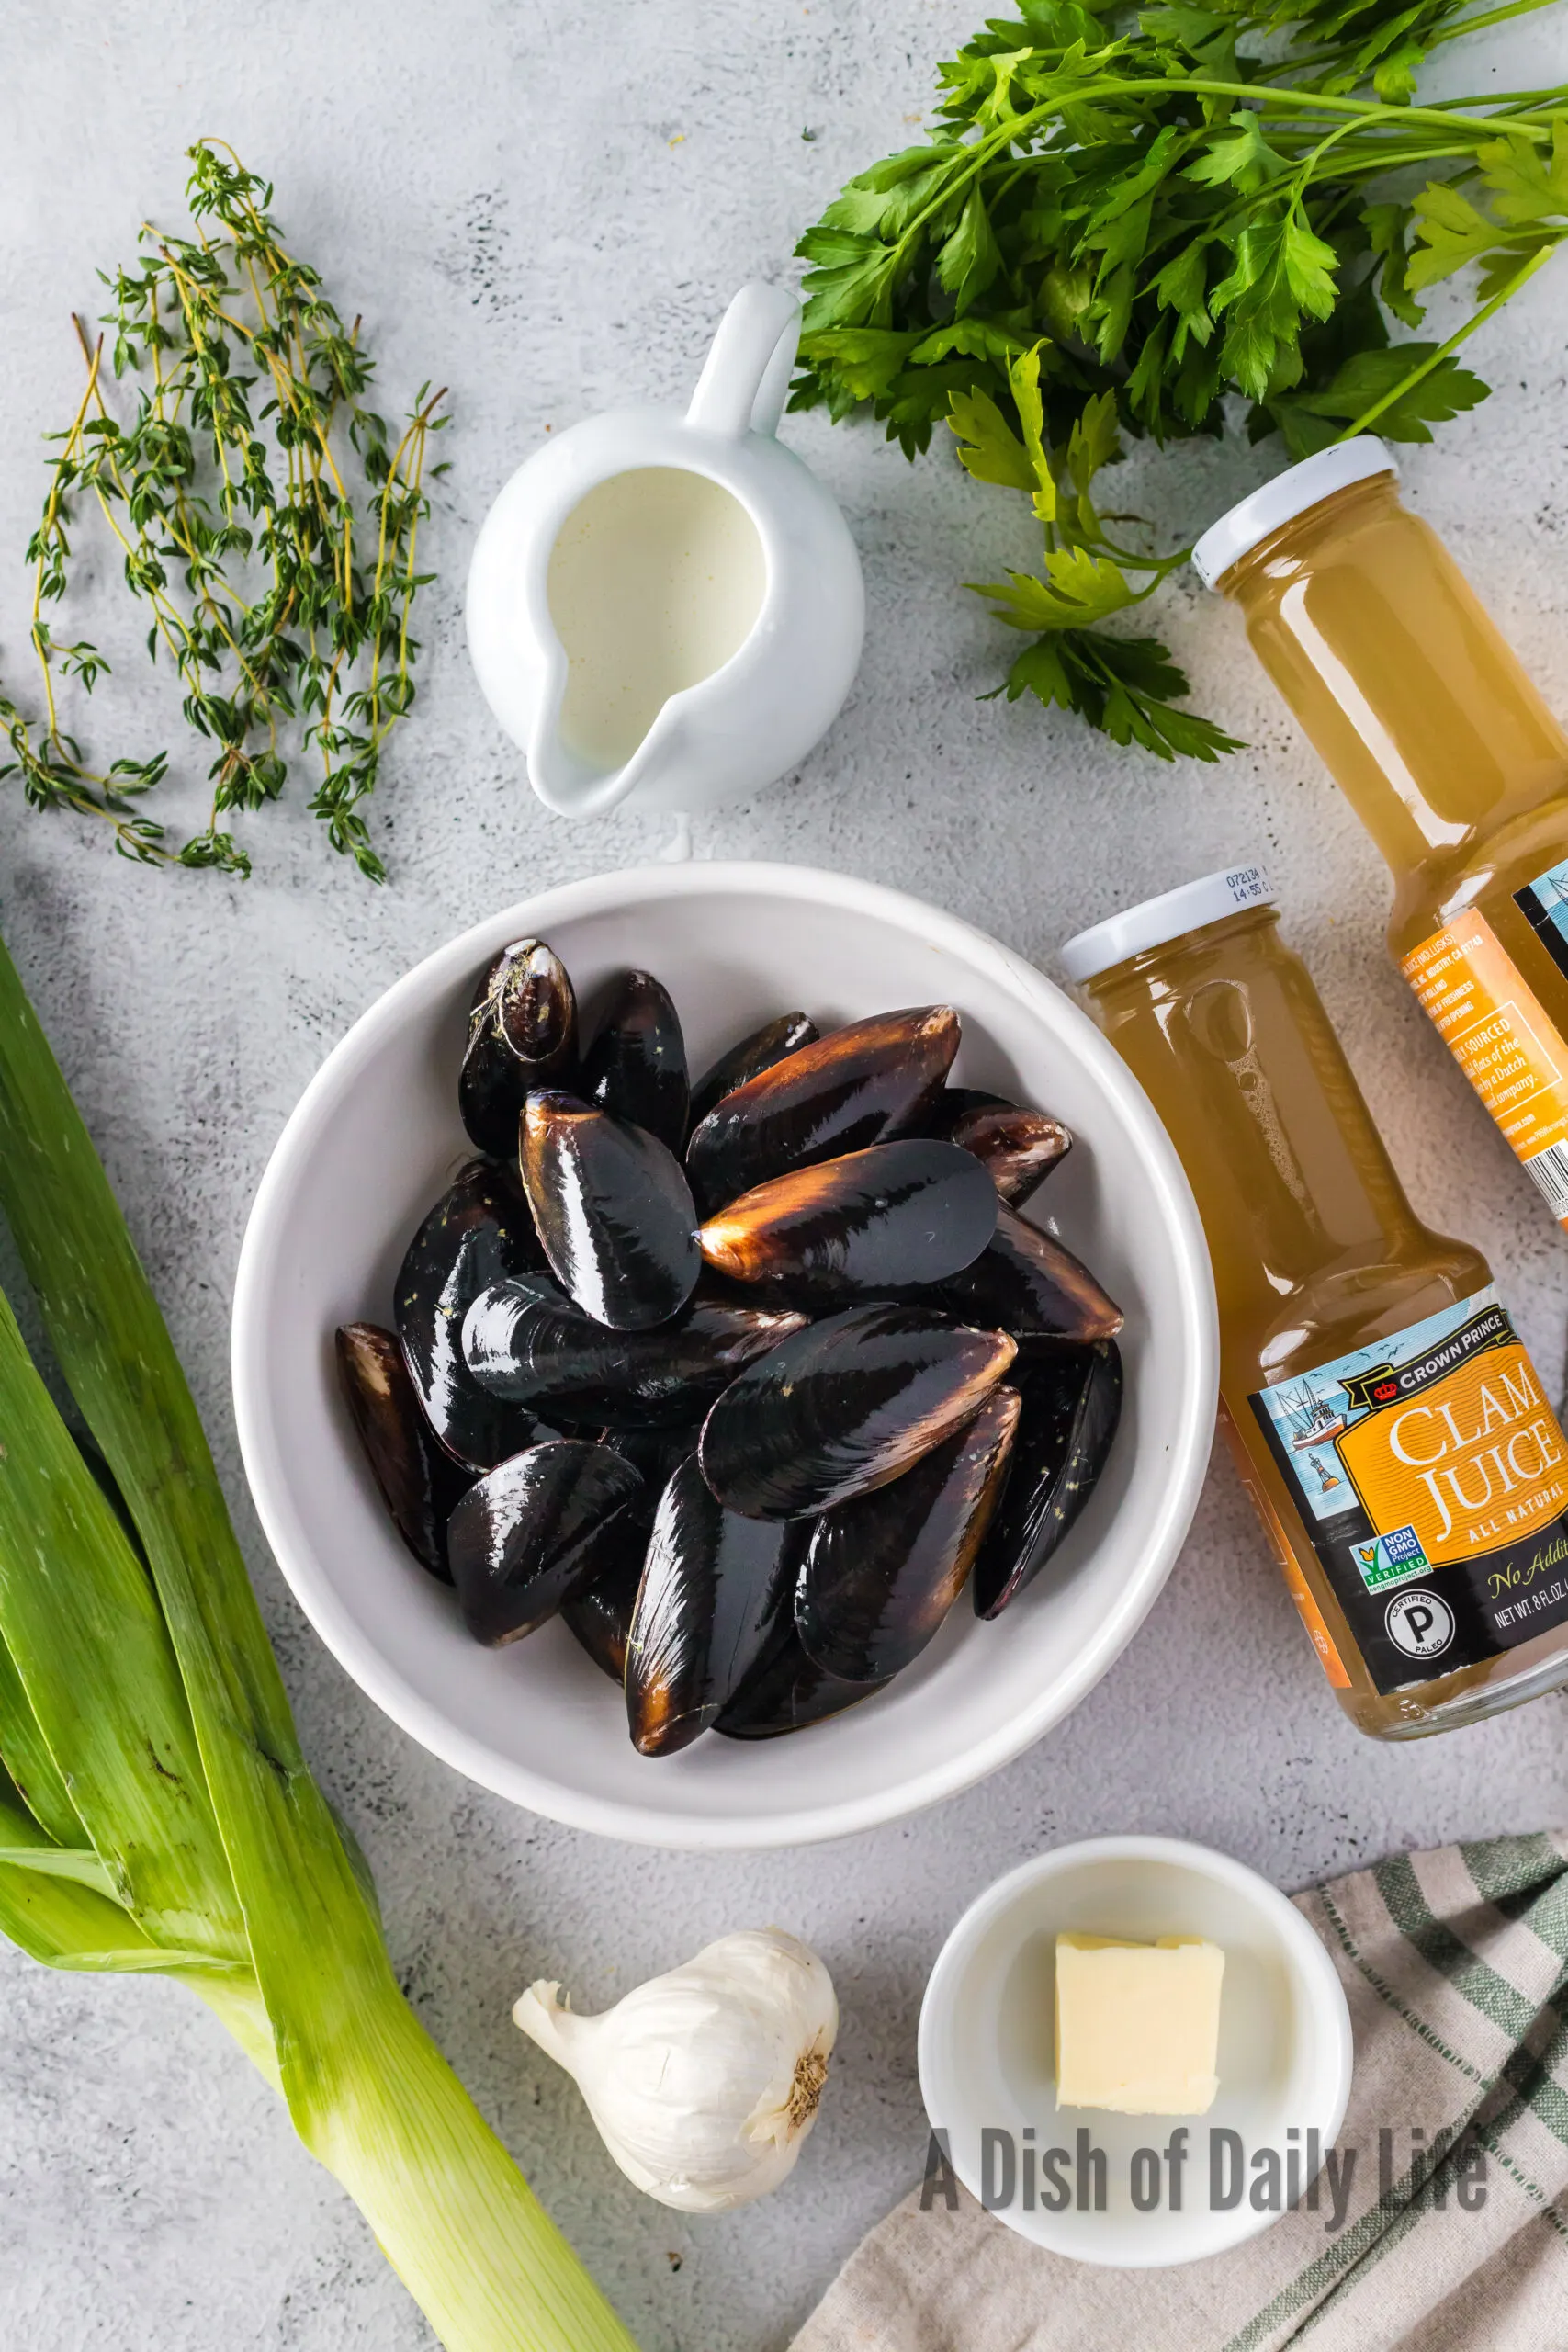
(1018, 1148)
(655, 1454)
(599, 1612)
(882, 1572)
(526, 1340)
(1071, 1402)
(844, 1407)
(787, 1691)
(521, 1034)
(1027, 1283)
(713, 1589)
(893, 1217)
(479, 1232)
(419, 1483)
(636, 1065)
(749, 1059)
(860, 1085)
(613, 1210)
(520, 1540)
(955, 1102)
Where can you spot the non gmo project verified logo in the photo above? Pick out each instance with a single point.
(1389, 1559)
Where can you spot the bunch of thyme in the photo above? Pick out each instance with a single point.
(266, 519)
(1122, 221)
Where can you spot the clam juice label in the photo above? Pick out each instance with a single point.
(1432, 1475)
(1499, 1031)
(1544, 905)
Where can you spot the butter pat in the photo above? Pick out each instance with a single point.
(1138, 2025)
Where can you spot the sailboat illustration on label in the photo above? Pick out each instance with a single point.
(1314, 1423)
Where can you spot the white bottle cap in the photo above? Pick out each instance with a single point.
(1170, 916)
(1288, 495)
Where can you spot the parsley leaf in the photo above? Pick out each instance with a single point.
(1123, 219)
(1123, 685)
(1311, 421)
(1241, 156)
(988, 448)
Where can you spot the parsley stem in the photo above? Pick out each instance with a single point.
(1304, 101)
(1446, 350)
(1489, 17)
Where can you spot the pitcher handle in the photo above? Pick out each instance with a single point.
(746, 373)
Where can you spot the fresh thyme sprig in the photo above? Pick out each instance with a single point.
(264, 517)
(1119, 223)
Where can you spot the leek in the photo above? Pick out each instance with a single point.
(156, 1814)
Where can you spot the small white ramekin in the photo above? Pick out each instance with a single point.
(987, 2058)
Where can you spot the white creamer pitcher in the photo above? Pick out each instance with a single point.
(668, 609)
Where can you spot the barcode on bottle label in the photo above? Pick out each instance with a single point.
(1549, 1169)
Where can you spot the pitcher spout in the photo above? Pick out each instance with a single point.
(571, 782)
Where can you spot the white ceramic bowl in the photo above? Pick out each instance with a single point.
(372, 1141)
(988, 2035)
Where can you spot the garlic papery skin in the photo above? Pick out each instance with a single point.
(702, 2082)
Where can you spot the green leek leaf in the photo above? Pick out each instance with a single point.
(82, 1627)
(368, 2092)
(25, 1755)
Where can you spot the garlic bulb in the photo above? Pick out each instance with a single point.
(703, 2082)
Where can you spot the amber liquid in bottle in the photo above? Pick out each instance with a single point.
(1456, 768)
(1316, 1252)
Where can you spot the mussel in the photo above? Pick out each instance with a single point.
(786, 1692)
(860, 1085)
(600, 1404)
(1071, 1402)
(891, 1217)
(845, 1405)
(1018, 1148)
(521, 1034)
(419, 1483)
(599, 1610)
(655, 1453)
(612, 1211)
(526, 1340)
(713, 1589)
(520, 1542)
(955, 1102)
(636, 1065)
(1027, 1283)
(478, 1231)
(882, 1572)
(753, 1055)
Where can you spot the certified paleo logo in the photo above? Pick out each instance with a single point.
(1420, 1623)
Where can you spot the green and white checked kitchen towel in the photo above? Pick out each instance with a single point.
(1455, 1964)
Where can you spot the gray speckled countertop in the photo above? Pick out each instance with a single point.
(547, 206)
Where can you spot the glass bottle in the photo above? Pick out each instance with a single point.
(1389, 1427)
(1447, 754)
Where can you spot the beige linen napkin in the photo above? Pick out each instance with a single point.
(1454, 1963)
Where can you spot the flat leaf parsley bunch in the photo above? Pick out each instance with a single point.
(265, 518)
(1118, 223)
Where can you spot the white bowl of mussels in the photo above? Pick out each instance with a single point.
(725, 1354)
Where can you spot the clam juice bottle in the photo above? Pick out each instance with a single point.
(1390, 1429)
(1446, 753)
